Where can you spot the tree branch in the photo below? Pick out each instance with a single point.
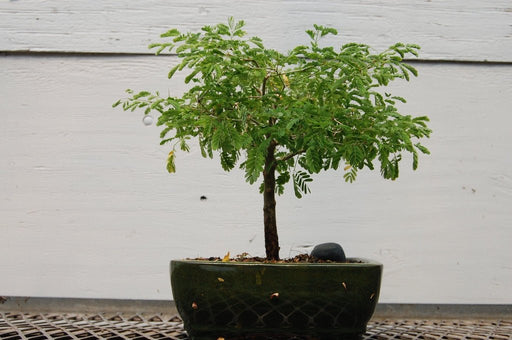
(291, 155)
(297, 70)
(254, 62)
(264, 86)
(258, 90)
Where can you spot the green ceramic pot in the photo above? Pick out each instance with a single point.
(327, 301)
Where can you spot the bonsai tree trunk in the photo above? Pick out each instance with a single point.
(269, 204)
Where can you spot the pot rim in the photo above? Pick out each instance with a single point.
(356, 261)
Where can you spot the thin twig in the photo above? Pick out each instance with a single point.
(291, 155)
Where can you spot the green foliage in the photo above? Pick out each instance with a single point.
(314, 107)
(300, 180)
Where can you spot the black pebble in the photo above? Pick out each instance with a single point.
(329, 251)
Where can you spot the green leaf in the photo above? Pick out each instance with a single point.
(141, 94)
(281, 180)
(404, 72)
(156, 103)
(228, 160)
(413, 49)
(253, 165)
(183, 145)
(161, 47)
(422, 148)
(410, 68)
(292, 123)
(314, 162)
(300, 180)
(173, 71)
(414, 160)
(262, 188)
(401, 99)
(257, 41)
(239, 24)
(171, 33)
(191, 75)
(231, 22)
(351, 175)
(223, 29)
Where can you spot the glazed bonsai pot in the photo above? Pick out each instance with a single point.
(234, 299)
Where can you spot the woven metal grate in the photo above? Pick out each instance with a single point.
(436, 329)
(102, 326)
(97, 326)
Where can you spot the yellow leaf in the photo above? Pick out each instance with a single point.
(171, 168)
(286, 80)
(226, 257)
(220, 279)
(347, 167)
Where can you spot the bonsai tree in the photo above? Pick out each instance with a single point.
(282, 117)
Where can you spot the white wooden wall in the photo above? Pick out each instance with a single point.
(88, 210)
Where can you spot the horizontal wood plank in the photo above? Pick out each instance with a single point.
(470, 30)
(88, 210)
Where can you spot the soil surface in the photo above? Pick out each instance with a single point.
(302, 258)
